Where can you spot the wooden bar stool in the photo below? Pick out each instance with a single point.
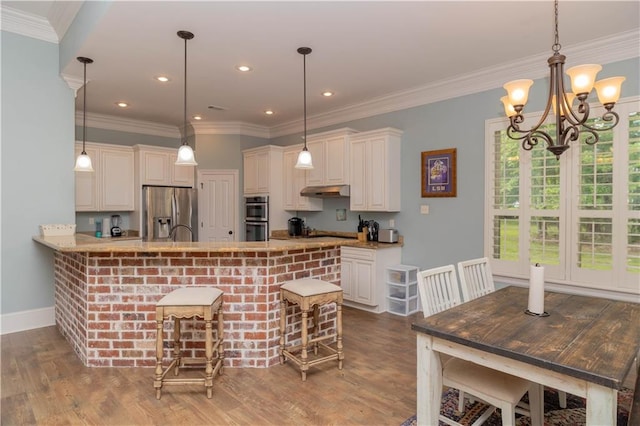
(310, 294)
(190, 302)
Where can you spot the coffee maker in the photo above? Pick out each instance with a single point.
(116, 221)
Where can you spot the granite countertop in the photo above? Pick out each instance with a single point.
(87, 243)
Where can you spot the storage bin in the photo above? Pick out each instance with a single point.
(402, 307)
(402, 292)
(402, 274)
(57, 230)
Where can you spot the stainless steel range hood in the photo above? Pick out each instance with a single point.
(332, 191)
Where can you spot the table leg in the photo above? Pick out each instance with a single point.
(602, 405)
(428, 382)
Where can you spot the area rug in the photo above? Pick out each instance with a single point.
(573, 415)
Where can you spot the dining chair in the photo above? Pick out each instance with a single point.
(476, 280)
(438, 290)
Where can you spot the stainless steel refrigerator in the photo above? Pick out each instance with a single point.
(169, 213)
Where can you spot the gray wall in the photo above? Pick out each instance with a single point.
(37, 167)
(42, 190)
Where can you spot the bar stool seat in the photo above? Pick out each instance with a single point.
(190, 302)
(309, 294)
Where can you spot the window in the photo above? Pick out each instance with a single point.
(579, 216)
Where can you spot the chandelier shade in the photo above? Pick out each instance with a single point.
(186, 156)
(83, 161)
(304, 158)
(570, 122)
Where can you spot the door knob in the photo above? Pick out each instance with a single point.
(230, 232)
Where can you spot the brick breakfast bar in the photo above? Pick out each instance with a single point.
(105, 293)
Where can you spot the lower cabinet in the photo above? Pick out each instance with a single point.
(363, 276)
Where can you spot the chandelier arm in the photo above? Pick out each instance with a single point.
(610, 117)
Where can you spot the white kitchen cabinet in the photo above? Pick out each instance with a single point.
(111, 186)
(363, 276)
(156, 166)
(375, 170)
(330, 154)
(293, 181)
(263, 175)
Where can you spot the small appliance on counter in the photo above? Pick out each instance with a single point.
(388, 236)
(295, 227)
(106, 227)
(116, 221)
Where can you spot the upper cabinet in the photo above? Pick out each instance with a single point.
(330, 155)
(156, 166)
(293, 181)
(262, 170)
(110, 187)
(375, 170)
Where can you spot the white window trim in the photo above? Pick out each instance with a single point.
(517, 273)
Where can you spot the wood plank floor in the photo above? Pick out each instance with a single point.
(43, 382)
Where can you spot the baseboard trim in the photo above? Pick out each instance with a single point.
(27, 320)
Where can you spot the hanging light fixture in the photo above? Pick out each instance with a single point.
(570, 123)
(83, 162)
(186, 157)
(304, 158)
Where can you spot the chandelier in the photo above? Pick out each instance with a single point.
(570, 123)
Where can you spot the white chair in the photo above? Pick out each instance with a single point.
(476, 280)
(438, 289)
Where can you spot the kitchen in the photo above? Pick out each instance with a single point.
(430, 239)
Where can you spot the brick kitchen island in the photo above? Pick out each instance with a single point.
(105, 293)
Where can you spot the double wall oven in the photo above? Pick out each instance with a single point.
(256, 218)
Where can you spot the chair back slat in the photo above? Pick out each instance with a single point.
(475, 278)
(438, 289)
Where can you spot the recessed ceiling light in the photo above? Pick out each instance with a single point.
(269, 112)
(162, 78)
(243, 68)
(328, 93)
(197, 117)
(122, 104)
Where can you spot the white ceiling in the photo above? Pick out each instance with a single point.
(364, 51)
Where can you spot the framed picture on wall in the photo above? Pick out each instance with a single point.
(439, 173)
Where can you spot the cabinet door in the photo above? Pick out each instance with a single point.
(87, 183)
(155, 168)
(180, 175)
(346, 278)
(250, 173)
(116, 181)
(376, 164)
(289, 180)
(315, 176)
(364, 282)
(262, 172)
(336, 162)
(358, 178)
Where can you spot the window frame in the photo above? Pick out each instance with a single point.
(566, 275)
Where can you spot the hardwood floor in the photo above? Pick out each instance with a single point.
(43, 382)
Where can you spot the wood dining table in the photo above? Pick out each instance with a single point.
(586, 346)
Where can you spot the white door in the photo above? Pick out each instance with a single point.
(218, 205)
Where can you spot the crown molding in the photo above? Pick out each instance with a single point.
(231, 128)
(73, 82)
(107, 122)
(605, 50)
(28, 25)
(62, 14)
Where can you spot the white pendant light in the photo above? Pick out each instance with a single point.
(83, 162)
(186, 156)
(304, 158)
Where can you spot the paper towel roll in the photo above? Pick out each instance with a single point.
(106, 227)
(536, 289)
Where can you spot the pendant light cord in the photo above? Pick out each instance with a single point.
(84, 110)
(304, 79)
(184, 142)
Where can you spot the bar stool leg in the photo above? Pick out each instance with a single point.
(208, 350)
(316, 321)
(176, 345)
(283, 323)
(157, 382)
(305, 339)
(339, 333)
(220, 353)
